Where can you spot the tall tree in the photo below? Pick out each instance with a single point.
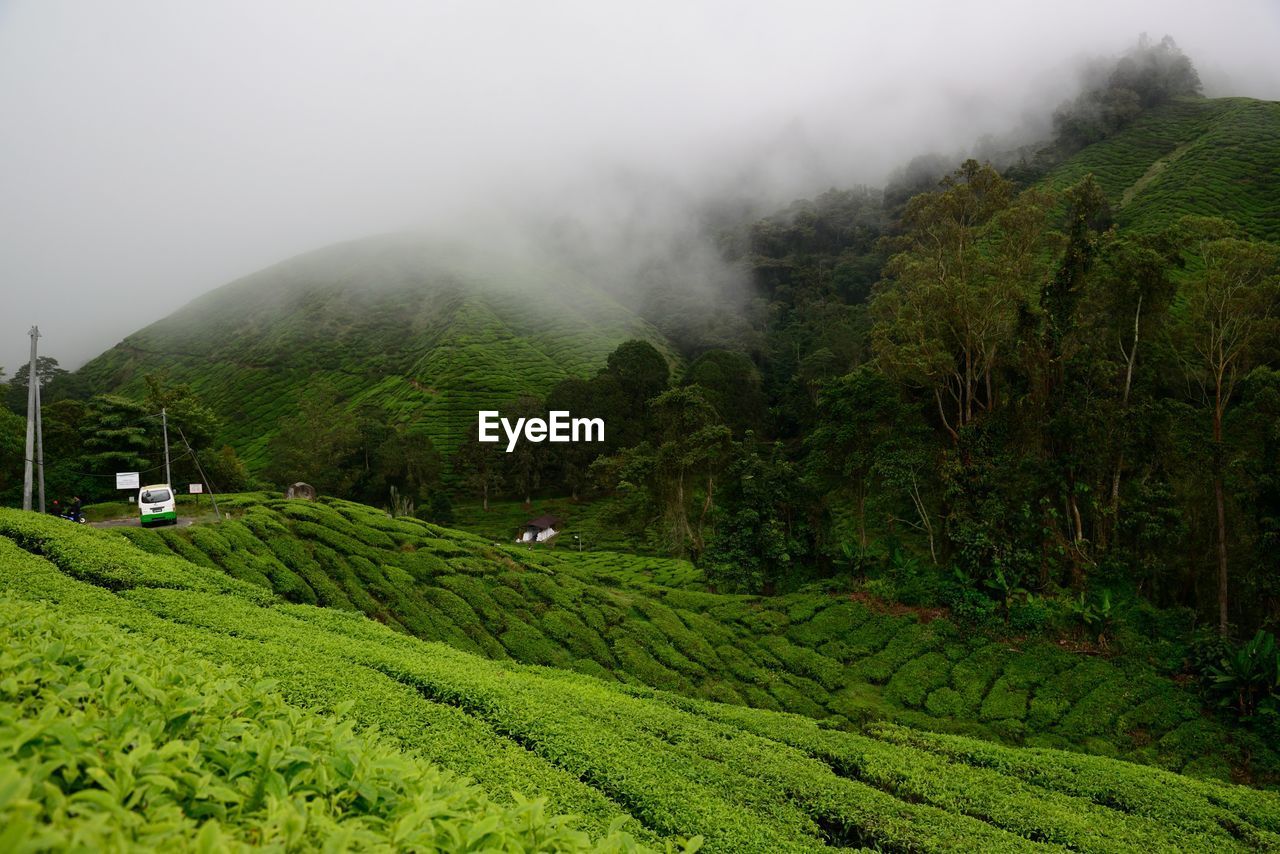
(480, 466)
(1060, 380)
(525, 464)
(120, 435)
(13, 445)
(315, 444)
(1124, 311)
(964, 269)
(568, 463)
(857, 415)
(47, 369)
(689, 457)
(642, 373)
(408, 460)
(761, 533)
(1231, 300)
(731, 383)
(192, 423)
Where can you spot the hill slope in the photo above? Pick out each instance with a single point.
(431, 333)
(1208, 157)
(829, 657)
(654, 764)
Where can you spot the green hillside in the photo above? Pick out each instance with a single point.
(211, 758)
(1207, 157)
(825, 656)
(432, 334)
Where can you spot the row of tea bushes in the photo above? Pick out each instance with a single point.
(823, 656)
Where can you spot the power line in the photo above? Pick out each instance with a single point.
(216, 512)
(142, 471)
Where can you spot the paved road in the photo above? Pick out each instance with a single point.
(132, 522)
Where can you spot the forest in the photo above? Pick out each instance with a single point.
(1015, 388)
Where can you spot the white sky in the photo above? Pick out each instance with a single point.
(150, 151)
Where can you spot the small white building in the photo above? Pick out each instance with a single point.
(539, 530)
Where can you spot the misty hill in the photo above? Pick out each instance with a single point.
(431, 333)
(1206, 157)
(434, 333)
(237, 710)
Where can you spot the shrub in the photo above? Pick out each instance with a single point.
(1003, 702)
(946, 702)
(1246, 680)
(917, 678)
(112, 743)
(525, 643)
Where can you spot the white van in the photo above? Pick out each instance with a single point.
(157, 505)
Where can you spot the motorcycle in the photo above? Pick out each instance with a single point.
(67, 514)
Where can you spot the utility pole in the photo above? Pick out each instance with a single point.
(164, 427)
(32, 400)
(40, 443)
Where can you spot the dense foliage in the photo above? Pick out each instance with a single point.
(835, 658)
(626, 759)
(110, 742)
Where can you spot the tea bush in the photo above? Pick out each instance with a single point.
(817, 653)
(109, 742)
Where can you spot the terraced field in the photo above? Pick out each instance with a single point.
(1208, 157)
(830, 658)
(430, 334)
(657, 766)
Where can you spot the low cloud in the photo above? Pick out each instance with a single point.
(155, 150)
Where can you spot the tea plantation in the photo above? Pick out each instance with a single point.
(426, 332)
(149, 700)
(1197, 156)
(828, 657)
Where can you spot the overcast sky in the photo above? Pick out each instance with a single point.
(151, 151)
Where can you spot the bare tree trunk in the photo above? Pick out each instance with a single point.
(923, 513)
(1221, 503)
(1222, 554)
(680, 526)
(942, 413)
(702, 517)
(1077, 538)
(968, 388)
(862, 516)
(1131, 358)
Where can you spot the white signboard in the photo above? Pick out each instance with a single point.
(127, 480)
(196, 488)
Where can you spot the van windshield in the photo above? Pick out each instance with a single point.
(155, 496)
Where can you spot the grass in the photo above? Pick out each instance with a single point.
(256, 719)
(602, 613)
